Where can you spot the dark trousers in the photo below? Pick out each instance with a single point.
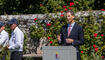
(78, 56)
(4, 56)
(16, 55)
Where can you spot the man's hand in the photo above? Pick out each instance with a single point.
(58, 37)
(6, 48)
(68, 40)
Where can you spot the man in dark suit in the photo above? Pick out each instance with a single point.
(71, 34)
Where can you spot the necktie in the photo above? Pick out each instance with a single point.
(69, 29)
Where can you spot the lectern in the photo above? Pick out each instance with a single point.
(59, 53)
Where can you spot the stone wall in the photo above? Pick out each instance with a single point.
(25, 22)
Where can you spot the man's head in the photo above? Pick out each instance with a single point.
(13, 23)
(2, 26)
(70, 16)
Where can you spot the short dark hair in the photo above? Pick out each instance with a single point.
(70, 11)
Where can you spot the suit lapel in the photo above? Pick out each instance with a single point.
(66, 31)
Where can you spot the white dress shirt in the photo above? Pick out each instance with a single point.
(4, 39)
(16, 41)
(71, 27)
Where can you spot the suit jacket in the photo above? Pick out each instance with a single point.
(76, 34)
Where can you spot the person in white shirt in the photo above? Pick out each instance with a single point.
(4, 38)
(16, 41)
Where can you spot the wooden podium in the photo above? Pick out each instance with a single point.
(59, 53)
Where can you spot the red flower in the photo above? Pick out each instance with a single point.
(48, 38)
(95, 35)
(81, 51)
(102, 35)
(41, 4)
(48, 25)
(35, 19)
(62, 15)
(50, 42)
(70, 8)
(102, 9)
(64, 6)
(94, 46)
(61, 11)
(65, 9)
(102, 56)
(71, 3)
(96, 49)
